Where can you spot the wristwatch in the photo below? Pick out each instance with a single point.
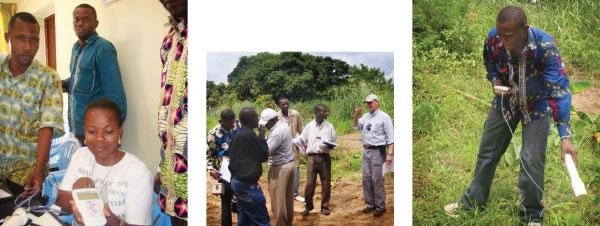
(391, 154)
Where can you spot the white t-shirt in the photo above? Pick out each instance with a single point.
(130, 185)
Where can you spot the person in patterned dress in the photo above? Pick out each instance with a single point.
(171, 180)
(30, 107)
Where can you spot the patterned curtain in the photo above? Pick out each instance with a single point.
(7, 10)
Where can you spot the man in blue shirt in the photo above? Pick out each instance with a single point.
(217, 153)
(94, 70)
(526, 60)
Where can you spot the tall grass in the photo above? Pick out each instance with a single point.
(341, 106)
(447, 126)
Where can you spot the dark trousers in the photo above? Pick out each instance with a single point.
(321, 165)
(494, 142)
(251, 203)
(226, 204)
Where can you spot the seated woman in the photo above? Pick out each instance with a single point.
(119, 176)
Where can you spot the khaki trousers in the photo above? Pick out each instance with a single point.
(281, 189)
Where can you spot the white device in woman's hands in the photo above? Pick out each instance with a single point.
(90, 207)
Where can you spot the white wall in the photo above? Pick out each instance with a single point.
(136, 29)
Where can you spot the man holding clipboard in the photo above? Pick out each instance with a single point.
(316, 140)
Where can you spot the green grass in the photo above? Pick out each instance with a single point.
(447, 126)
(340, 106)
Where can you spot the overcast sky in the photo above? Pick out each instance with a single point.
(220, 64)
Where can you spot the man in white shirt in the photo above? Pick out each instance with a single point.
(377, 134)
(312, 141)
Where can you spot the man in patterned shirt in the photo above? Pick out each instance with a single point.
(30, 106)
(526, 60)
(171, 180)
(217, 151)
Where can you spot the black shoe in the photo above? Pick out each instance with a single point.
(379, 213)
(325, 211)
(305, 213)
(368, 209)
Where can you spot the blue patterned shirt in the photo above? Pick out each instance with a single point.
(539, 82)
(218, 141)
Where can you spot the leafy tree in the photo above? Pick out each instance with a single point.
(293, 75)
(369, 75)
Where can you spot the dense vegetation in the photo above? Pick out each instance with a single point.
(297, 76)
(447, 47)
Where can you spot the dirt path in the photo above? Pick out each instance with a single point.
(346, 198)
(588, 100)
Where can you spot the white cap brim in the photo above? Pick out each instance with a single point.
(262, 122)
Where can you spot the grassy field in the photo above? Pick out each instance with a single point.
(447, 126)
(340, 106)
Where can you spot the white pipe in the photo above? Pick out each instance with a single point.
(576, 182)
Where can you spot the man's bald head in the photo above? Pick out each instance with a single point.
(513, 13)
(249, 117)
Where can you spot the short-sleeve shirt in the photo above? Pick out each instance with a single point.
(377, 128)
(313, 136)
(130, 184)
(217, 143)
(28, 102)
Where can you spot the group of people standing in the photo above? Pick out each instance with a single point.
(31, 115)
(235, 154)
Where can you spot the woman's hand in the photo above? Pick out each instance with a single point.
(111, 218)
(84, 182)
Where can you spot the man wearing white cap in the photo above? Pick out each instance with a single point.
(317, 139)
(377, 134)
(282, 167)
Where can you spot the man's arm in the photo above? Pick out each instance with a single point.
(299, 123)
(261, 145)
(488, 59)
(36, 178)
(357, 125)
(388, 128)
(211, 150)
(110, 75)
(560, 98)
(274, 141)
(65, 85)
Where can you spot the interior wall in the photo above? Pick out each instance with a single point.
(136, 29)
(40, 9)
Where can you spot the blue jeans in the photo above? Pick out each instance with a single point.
(494, 141)
(251, 203)
(297, 182)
